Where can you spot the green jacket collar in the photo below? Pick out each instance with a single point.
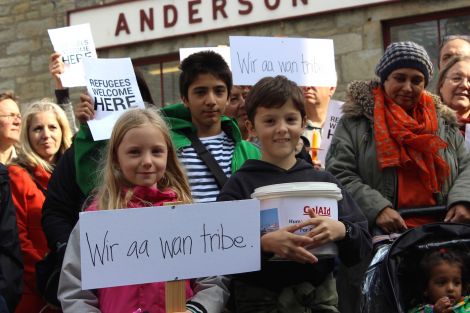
(179, 118)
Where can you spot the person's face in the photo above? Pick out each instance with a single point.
(455, 89)
(207, 99)
(404, 86)
(10, 122)
(236, 105)
(142, 156)
(453, 48)
(45, 135)
(278, 130)
(317, 95)
(445, 281)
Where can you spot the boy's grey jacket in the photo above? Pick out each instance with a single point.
(352, 155)
(210, 292)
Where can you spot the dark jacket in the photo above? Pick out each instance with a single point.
(11, 264)
(276, 275)
(63, 202)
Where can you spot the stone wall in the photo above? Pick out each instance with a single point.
(357, 34)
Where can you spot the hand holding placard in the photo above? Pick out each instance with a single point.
(113, 92)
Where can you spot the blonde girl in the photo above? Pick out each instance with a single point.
(140, 169)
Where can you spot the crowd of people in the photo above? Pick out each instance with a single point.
(397, 147)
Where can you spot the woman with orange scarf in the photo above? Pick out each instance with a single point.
(398, 146)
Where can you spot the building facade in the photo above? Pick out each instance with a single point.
(360, 34)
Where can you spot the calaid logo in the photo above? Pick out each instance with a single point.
(318, 210)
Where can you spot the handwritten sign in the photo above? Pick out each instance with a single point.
(113, 91)
(329, 127)
(308, 62)
(74, 43)
(224, 51)
(135, 246)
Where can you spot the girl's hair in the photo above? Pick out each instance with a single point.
(27, 156)
(445, 70)
(115, 191)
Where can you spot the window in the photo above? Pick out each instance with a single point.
(428, 31)
(161, 74)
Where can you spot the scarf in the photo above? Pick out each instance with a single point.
(408, 140)
(144, 197)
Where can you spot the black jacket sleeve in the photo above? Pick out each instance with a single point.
(11, 264)
(358, 245)
(63, 202)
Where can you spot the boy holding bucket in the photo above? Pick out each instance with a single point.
(302, 282)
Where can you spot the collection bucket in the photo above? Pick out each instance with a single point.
(287, 204)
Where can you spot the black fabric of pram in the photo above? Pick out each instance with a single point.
(389, 284)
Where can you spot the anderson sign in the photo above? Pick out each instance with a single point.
(133, 21)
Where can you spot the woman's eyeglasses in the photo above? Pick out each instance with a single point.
(12, 116)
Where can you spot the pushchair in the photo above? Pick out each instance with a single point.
(387, 286)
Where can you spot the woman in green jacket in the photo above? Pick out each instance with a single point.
(397, 146)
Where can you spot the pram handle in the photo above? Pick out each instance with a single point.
(379, 235)
(420, 211)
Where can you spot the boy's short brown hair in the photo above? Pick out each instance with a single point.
(273, 92)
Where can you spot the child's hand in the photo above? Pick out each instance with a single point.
(84, 111)
(325, 229)
(56, 67)
(443, 305)
(288, 245)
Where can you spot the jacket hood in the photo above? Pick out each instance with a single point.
(360, 102)
(262, 166)
(179, 118)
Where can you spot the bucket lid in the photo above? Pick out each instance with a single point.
(299, 189)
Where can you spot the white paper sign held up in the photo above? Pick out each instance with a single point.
(308, 62)
(135, 246)
(74, 43)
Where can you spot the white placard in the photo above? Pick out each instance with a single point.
(224, 51)
(113, 87)
(332, 118)
(136, 246)
(308, 62)
(74, 43)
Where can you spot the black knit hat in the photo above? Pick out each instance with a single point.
(404, 54)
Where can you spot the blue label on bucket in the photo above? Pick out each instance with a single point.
(269, 220)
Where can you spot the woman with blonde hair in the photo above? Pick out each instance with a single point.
(45, 136)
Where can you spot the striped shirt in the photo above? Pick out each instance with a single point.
(203, 185)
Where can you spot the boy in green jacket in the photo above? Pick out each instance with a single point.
(205, 83)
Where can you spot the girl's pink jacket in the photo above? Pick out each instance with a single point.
(146, 297)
